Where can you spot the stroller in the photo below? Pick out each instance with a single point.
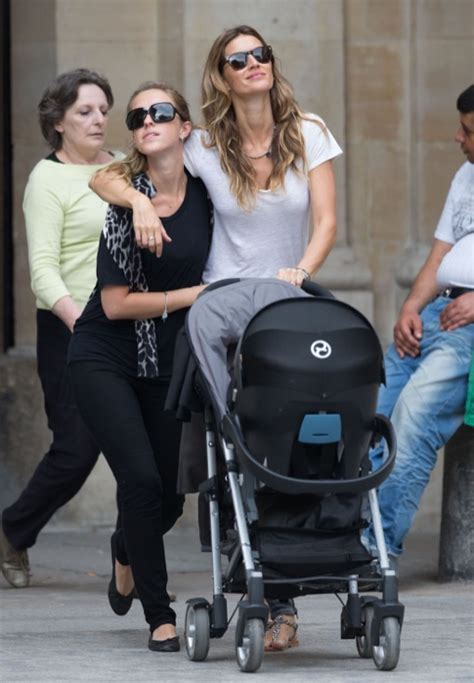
(290, 421)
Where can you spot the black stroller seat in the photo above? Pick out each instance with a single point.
(308, 374)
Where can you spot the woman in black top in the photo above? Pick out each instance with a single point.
(121, 352)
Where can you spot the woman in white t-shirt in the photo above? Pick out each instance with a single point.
(268, 169)
(267, 166)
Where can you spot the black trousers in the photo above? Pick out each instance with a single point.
(72, 453)
(141, 444)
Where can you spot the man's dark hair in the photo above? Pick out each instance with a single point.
(465, 103)
(60, 95)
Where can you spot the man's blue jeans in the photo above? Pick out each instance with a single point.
(425, 399)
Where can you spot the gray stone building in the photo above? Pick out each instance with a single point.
(384, 74)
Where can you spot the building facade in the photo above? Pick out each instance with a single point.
(384, 74)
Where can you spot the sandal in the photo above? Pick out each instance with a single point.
(281, 633)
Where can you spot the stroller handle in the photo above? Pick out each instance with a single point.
(291, 485)
(314, 289)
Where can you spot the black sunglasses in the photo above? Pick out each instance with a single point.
(160, 112)
(238, 60)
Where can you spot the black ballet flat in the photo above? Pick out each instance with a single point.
(119, 603)
(168, 645)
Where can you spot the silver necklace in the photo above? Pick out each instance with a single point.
(268, 153)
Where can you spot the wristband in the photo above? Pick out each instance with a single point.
(305, 273)
(164, 315)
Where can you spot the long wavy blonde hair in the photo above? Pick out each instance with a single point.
(135, 162)
(223, 133)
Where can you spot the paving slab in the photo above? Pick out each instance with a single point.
(61, 628)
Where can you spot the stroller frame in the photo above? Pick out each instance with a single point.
(374, 622)
(362, 617)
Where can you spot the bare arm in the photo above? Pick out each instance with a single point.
(322, 190)
(146, 222)
(408, 328)
(121, 304)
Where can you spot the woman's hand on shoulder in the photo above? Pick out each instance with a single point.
(149, 231)
(114, 189)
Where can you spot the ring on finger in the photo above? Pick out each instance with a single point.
(151, 238)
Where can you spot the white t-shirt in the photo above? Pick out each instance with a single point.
(456, 226)
(457, 267)
(274, 233)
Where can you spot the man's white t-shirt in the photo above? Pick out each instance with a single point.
(456, 226)
(275, 232)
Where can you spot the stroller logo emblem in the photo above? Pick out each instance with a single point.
(321, 349)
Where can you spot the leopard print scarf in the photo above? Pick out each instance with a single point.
(119, 239)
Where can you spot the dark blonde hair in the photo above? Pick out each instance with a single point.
(223, 133)
(60, 95)
(135, 162)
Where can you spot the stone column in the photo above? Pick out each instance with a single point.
(456, 548)
(5, 273)
(377, 45)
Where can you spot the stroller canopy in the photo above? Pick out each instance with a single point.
(217, 320)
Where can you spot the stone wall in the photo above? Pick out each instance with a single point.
(384, 74)
(3, 155)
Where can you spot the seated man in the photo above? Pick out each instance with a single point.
(427, 367)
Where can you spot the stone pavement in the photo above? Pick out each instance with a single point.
(61, 628)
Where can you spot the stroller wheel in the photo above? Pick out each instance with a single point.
(364, 642)
(249, 651)
(386, 654)
(197, 633)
